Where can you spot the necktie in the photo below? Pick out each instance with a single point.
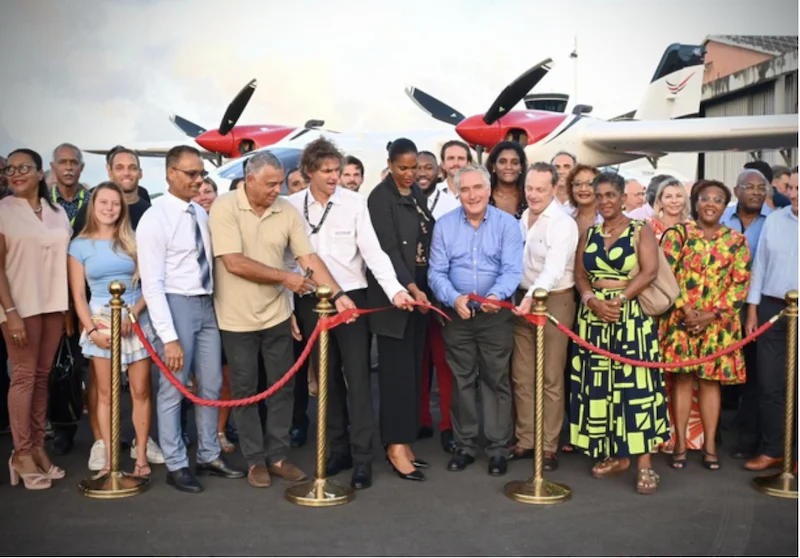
(202, 260)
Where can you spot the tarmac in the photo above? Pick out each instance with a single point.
(695, 512)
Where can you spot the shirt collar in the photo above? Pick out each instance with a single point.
(175, 201)
(335, 199)
(733, 211)
(490, 209)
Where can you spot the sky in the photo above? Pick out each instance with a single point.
(101, 73)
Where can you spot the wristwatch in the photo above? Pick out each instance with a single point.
(623, 298)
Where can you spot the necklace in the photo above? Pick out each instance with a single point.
(38, 209)
(607, 234)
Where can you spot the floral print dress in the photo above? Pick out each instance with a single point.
(714, 276)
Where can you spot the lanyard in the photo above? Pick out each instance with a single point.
(315, 228)
(436, 200)
(81, 197)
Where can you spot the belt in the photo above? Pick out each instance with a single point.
(551, 293)
(776, 300)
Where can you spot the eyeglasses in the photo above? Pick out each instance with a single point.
(578, 185)
(192, 174)
(716, 199)
(23, 169)
(750, 188)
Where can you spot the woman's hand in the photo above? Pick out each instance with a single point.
(422, 298)
(16, 330)
(101, 340)
(698, 320)
(606, 310)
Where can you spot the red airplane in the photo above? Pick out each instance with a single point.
(232, 141)
(658, 127)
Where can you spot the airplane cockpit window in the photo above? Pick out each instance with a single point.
(677, 57)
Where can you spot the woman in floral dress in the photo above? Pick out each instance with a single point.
(712, 265)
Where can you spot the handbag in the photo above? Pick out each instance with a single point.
(661, 294)
(65, 393)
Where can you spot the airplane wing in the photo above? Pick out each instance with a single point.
(153, 150)
(693, 135)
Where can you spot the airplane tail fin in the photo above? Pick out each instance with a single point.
(676, 88)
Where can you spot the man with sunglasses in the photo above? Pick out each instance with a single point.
(175, 264)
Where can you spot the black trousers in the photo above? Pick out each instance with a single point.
(772, 377)
(68, 431)
(349, 387)
(400, 378)
(300, 411)
(480, 348)
(275, 346)
(748, 418)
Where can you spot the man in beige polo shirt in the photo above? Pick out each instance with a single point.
(251, 228)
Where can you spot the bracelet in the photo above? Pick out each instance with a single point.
(89, 333)
(587, 296)
(9, 310)
(337, 296)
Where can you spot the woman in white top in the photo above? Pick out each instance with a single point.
(104, 252)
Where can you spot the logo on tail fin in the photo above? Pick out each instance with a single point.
(677, 88)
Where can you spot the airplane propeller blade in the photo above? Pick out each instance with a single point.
(187, 127)
(434, 107)
(515, 92)
(237, 106)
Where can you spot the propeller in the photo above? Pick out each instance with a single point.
(187, 127)
(433, 106)
(516, 91)
(237, 106)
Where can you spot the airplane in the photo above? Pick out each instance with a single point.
(659, 126)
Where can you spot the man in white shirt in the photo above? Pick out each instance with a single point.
(175, 265)
(338, 225)
(563, 162)
(551, 239)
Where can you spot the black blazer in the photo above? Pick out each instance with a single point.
(396, 223)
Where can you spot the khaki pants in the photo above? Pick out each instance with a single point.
(523, 367)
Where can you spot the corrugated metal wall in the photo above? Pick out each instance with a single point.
(727, 165)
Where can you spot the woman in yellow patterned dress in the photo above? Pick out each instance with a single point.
(617, 411)
(712, 265)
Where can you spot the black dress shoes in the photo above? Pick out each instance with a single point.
(219, 468)
(362, 476)
(184, 480)
(338, 462)
(460, 461)
(298, 437)
(63, 444)
(448, 444)
(498, 466)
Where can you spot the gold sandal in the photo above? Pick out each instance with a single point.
(609, 467)
(647, 481)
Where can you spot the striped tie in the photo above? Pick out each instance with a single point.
(202, 260)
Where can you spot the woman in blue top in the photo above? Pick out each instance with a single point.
(105, 251)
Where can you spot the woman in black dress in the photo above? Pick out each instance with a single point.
(404, 226)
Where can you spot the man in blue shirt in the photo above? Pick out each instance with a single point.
(477, 249)
(774, 273)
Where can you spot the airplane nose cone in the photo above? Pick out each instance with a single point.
(216, 143)
(475, 131)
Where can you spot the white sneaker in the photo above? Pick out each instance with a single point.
(97, 456)
(154, 454)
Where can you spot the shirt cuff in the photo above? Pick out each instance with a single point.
(168, 336)
(754, 298)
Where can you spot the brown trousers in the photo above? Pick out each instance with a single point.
(523, 368)
(30, 371)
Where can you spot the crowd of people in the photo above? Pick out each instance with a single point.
(223, 286)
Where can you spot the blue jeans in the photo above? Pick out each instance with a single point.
(196, 325)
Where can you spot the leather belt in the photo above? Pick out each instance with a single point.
(551, 293)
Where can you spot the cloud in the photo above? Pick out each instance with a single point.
(103, 73)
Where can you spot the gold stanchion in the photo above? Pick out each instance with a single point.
(784, 484)
(321, 492)
(115, 483)
(538, 490)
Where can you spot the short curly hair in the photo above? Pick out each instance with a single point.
(315, 153)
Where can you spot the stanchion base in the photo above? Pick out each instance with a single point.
(542, 491)
(114, 485)
(319, 493)
(782, 485)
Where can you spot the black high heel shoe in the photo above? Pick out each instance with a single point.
(418, 463)
(415, 475)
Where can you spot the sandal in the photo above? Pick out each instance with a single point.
(710, 465)
(608, 467)
(679, 460)
(224, 443)
(142, 470)
(647, 481)
(567, 448)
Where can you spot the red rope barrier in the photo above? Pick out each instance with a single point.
(666, 365)
(533, 319)
(324, 323)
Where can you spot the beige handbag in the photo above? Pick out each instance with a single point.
(661, 294)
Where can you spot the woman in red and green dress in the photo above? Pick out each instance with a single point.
(712, 266)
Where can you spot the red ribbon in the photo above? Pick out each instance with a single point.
(533, 319)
